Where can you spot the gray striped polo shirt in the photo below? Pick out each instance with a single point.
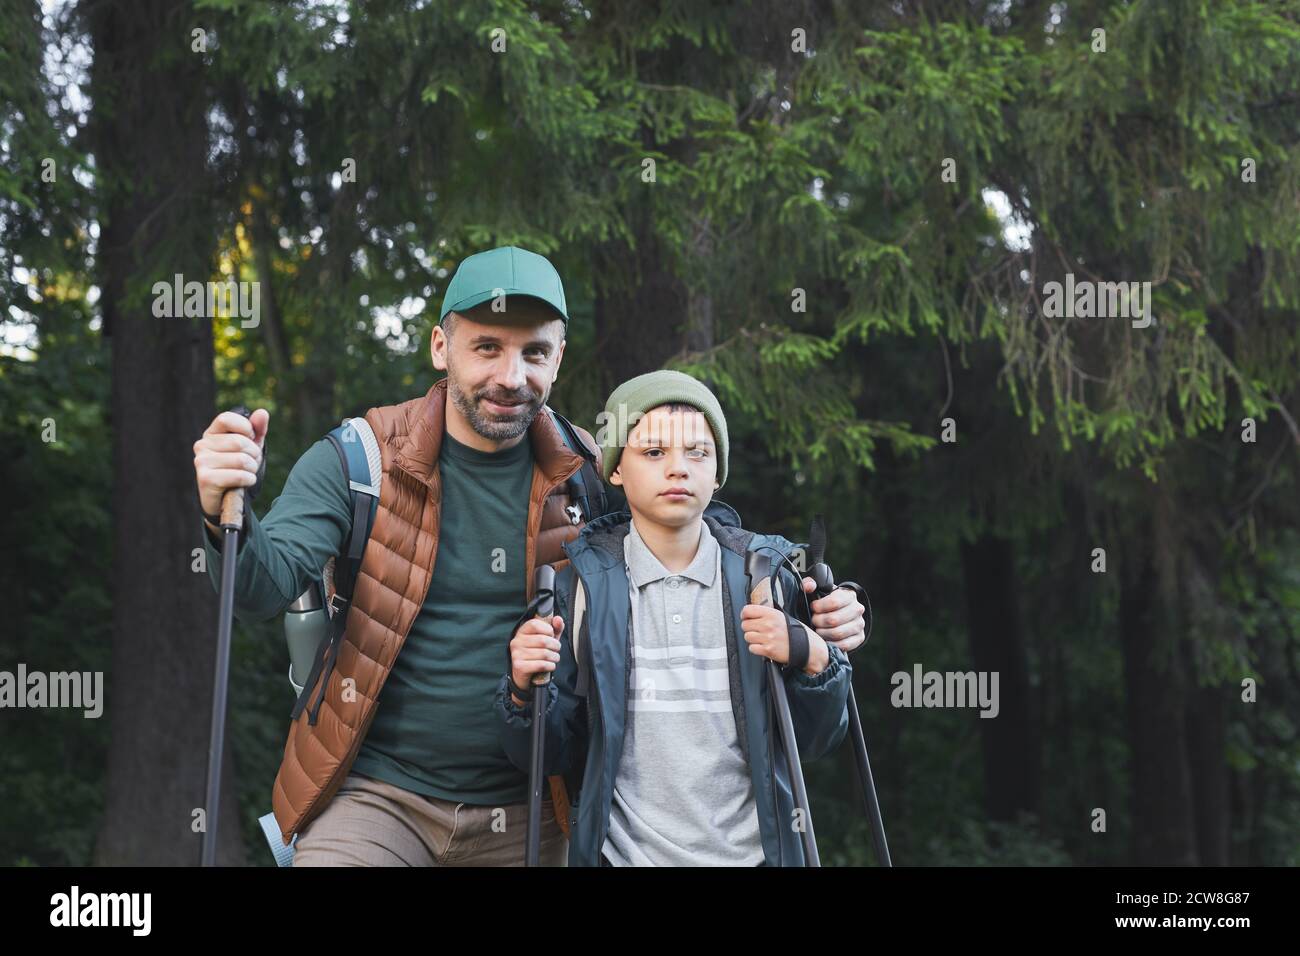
(682, 794)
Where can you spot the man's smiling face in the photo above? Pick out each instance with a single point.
(500, 366)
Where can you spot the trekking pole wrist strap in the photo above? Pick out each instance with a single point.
(521, 693)
(799, 646)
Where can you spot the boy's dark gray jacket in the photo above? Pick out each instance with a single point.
(585, 725)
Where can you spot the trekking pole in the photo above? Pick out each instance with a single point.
(820, 572)
(544, 595)
(232, 522)
(759, 568)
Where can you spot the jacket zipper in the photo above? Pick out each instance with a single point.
(593, 690)
(771, 766)
(627, 686)
(593, 702)
(593, 695)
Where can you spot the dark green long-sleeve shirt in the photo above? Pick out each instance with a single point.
(434, 731)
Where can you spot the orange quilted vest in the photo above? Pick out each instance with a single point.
(390, 590)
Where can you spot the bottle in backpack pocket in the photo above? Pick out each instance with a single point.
(306, 627)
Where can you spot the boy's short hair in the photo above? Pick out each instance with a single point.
(676, 407)
(638, 395)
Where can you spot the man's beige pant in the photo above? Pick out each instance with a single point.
(372, 823)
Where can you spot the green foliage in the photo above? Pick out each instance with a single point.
(54, 586)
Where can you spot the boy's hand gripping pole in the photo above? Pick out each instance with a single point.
(759, 567)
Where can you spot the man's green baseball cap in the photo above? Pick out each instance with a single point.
(506, 270)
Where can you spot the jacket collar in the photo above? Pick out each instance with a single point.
(603, 537)
(417, 454)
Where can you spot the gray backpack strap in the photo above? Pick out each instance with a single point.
(374, 461)
(358, 450)
(355, 442)
(271, 830)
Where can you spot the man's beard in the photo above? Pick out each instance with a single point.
(486, 423)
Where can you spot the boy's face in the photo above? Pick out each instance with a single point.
(669, 466)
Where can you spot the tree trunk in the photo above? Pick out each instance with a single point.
(1207, 744)
(640, 307)
(1206, 711)
(289, 380)
(891, 775)
(638, 325)
(1161, 821)
(150, 144)
(1011, 765)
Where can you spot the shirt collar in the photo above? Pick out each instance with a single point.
(643, 567)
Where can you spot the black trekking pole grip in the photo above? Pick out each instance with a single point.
(544, 595)
(232, 521)
(758, 567)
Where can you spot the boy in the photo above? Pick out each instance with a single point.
(664, 718)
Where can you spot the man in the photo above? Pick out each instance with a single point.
(467, 509)
(419, 780)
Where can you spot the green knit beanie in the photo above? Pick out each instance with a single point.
(638, 395)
